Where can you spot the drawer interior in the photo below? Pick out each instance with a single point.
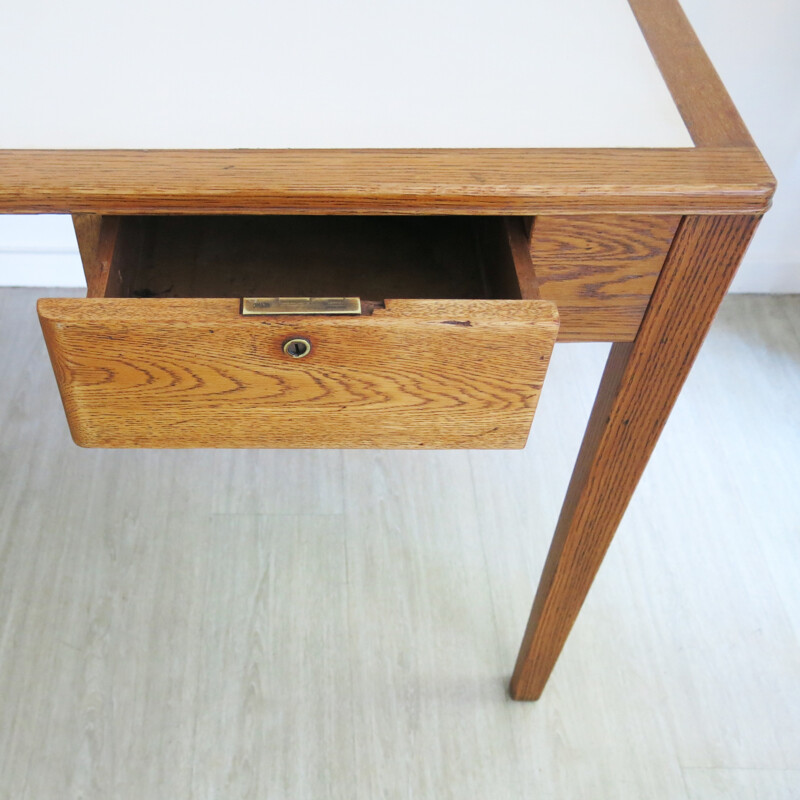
(374, 258)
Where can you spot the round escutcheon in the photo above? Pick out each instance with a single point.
(297, 347)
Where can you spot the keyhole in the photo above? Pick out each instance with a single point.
(297, 348)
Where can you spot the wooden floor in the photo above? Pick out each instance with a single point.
(343, 625)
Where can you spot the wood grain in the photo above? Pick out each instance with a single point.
(707, 110)
(557, 181)
(641, 382)
(194, 373)
(600, 270)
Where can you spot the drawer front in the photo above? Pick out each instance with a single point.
(600, 270)
(196, 373)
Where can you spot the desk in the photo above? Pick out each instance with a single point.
(631, 226)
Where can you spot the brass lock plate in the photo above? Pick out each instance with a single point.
(253, 306)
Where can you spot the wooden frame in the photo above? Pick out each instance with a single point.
(719, 188)
(702, 181)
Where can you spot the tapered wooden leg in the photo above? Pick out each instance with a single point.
(641, 382)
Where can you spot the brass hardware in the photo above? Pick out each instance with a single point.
(300, 305)
(297, 347)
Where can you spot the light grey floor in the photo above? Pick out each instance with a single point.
(343, 625)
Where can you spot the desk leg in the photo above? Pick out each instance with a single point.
(640, 384)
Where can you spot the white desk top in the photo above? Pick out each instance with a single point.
(326, 74)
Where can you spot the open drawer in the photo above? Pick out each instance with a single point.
(448, 349)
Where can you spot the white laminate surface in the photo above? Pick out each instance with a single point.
(316, 74)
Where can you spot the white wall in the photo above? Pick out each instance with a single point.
(755, 49)
(39, 251)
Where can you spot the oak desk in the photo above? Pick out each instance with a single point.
(593, 177)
